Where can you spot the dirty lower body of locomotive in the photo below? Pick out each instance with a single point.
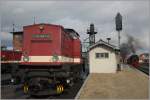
(51, 80)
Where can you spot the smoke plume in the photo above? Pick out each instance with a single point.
(130, 47)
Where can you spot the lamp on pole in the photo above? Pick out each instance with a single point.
(118, 21)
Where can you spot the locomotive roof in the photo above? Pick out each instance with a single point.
(43, 24)
(72, 33)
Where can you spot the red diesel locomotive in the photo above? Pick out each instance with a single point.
(53, 52)
(51, 59)
(47, 44)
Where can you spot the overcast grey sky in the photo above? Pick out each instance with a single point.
(78, 15)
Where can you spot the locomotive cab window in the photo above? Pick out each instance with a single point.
(101, 55)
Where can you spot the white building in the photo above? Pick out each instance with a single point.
(103, 58)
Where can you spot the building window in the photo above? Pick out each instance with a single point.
(101, 55)
(106, 55)
(97, 55)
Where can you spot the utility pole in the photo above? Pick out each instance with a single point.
(118, 20)
(13, 30)
(34, 20)
(13, 27)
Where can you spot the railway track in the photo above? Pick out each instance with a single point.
(144, 68)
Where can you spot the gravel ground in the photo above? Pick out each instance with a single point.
(126, 84)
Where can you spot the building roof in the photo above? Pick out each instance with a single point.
(103, 43)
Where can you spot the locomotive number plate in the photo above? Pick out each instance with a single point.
(40, 36)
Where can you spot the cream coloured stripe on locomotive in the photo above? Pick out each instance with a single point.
(50, 59)
(76, 60)
(65, 59)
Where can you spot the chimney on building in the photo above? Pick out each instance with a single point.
(108, 39)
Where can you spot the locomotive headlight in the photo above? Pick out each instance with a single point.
(12, 80)
(26, 58)
(68, 81)
(41, 27)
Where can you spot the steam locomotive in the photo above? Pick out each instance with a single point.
(50, 60)
(133, 60)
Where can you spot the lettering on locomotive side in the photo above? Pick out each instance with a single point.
(40, 36)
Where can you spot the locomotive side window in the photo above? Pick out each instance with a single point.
(101, 55)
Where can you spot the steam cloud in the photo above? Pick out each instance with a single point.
(130, 47)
